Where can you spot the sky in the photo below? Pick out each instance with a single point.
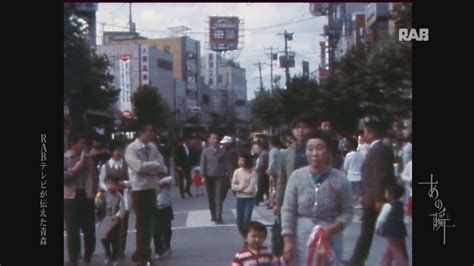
(262, 23)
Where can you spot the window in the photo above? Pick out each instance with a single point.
(205, 99)
(162, 63)
(166, 48)
(219, 79)
(144, 59)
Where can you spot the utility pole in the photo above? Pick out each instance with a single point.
(260, 71)
(288, 37)
(271, 67)
(287, 66)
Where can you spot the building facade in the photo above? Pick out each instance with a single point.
(134, 65)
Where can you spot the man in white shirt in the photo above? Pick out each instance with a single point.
(407, 151)
(145, 164)
(353, 167)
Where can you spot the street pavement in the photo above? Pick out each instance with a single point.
(197, 241)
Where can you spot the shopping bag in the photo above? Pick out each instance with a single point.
(320, 252)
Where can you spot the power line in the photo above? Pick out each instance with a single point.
(249, 31)
(289, 21)
(280, 25)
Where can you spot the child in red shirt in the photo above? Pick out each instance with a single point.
(255, 254)
(197, 181)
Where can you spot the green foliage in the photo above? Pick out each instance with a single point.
(149, 107)
(87, 82)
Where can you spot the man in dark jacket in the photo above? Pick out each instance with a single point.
(183, 167)
(231, 161)
(377, 175)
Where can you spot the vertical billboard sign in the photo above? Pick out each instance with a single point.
(211, 68)
(145, 75)
(224, 33)
(125, 93)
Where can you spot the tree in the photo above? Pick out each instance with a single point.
(302, 97)
(371, 78)
(87, 82)
(267, 109)
(149, 106)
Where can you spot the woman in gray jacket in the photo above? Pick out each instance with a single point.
(315, 195)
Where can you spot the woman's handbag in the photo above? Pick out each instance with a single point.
(277, 238)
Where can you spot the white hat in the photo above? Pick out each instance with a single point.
(227, 140)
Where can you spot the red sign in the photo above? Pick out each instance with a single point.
(224, 33)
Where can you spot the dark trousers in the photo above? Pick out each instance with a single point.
(396, 251)
(184, 181)
(162, 231)
(79, 214)
(144, 202)
(215, 195)
(263, 184)
(362, 248)
(227, 185)
(123, 233)
(111, 242)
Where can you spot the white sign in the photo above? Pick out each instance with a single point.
(125, 92)
(211, 67)
(225, 24)
(413, 34)
(145, 74)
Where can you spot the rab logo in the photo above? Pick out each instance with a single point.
(413, 34)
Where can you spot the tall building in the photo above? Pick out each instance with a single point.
(134, 65)
(228, 85)
(377, 21)
(186, 63)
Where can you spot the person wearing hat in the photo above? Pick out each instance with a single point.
(231, 161)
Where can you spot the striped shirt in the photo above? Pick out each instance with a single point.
(245, 257)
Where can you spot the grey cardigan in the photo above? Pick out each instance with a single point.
(332, 202)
